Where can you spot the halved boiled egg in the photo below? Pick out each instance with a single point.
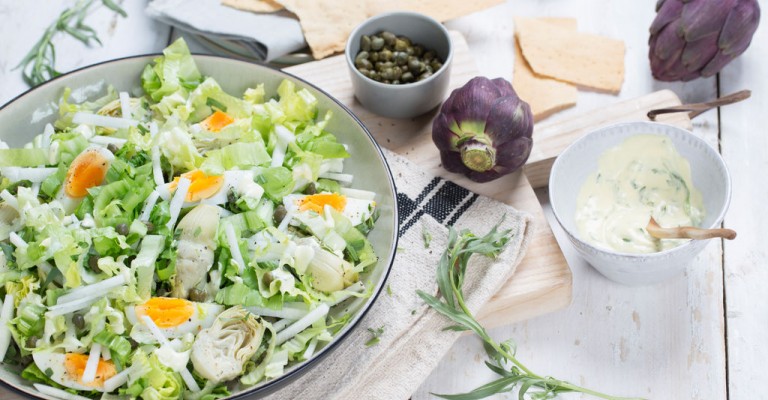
(213, 189)
(217, 121)
(357, 210)
(202, 186)
(174, 317)
(87, 170)
(67, 369)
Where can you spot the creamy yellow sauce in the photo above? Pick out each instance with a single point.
(642, 177)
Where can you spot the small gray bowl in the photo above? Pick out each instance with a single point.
(405, 100)
(580, 159)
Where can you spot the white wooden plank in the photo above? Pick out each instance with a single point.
(663, 341)
(744, 145)
(25, 21)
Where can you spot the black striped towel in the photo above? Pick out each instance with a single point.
(414, 341)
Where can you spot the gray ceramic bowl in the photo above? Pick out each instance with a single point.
(408, 100)
(26, 115)
(580, 159)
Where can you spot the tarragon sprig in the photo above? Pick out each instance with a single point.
(39, 65)
(450, 280)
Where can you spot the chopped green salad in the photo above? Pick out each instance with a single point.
(180, 242)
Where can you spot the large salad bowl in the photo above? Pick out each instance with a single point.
(25, 116)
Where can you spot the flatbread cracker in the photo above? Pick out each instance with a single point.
(326, 24)
(441, 10)
(584, 59)
(259, 6)
(545, 96)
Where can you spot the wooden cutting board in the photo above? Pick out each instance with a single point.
(542, 282)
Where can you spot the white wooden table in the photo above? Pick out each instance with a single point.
(698, 336)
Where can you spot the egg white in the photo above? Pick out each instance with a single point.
(357, 210)
(202, 317)
(56, 364)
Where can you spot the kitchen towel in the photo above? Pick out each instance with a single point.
(413, 340)
(261, 36)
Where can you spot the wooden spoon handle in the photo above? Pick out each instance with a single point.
(694, 109)
(688, 232)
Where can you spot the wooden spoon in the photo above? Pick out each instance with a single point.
(687, 232)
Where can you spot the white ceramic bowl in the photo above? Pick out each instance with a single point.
(573, 166)
(406, 100)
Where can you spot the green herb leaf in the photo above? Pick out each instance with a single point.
(450, 303)
(375, 336)
(39, 65)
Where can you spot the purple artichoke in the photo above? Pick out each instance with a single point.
(483, 130)
(697, 38)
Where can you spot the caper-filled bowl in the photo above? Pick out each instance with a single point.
(573, 167)
(404, 68)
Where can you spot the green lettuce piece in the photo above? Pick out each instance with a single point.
(107, 242)
(239, 293)
(23, 157)
(209, 97)
(277, 182)
(67, 110)
(297, 105)
(173, 71)
(158, 383)
(327, 186)
(359, 248)
(178, 148)
(245, 221)
(69, 145)
(119, 347)
(144, 264)
(33, 374)
(119, 202)
(235, 156)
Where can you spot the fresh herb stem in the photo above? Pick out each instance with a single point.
(450, 279)
(39, 65)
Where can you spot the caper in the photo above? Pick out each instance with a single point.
(31, 342)
(150, 226)
(377, 43)
(361, 56)
(311, 188)
(425, 75)
(418, 51)
(435, 65)
(389, 38)
(401, 58)
(79, 321)
(428, 56)
(122, 229)
(407, 77)
(366, 64)
(93, 263)
(401, 45)
(113, 148)
(374, 56)
(365, 72)
(415, 66)
(397, 73)
(385, 55)
(396, 82)
(279, 214)
(197, 295)
(365, 43)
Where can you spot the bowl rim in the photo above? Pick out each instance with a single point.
(660, 254)
(276, 384)
(355, 36)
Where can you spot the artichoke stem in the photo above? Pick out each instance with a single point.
(478, 156)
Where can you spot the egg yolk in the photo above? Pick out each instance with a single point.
(86, 171)
(316, 202)
(217, 121)
(75, 365)
(202, 186)
(166, 312)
